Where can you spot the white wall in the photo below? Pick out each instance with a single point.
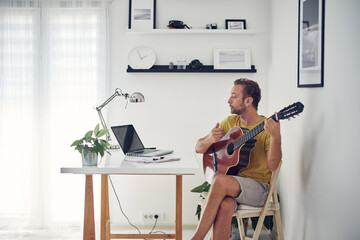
(319, 179)
(179, 108)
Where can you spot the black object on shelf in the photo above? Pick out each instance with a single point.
(205, 69)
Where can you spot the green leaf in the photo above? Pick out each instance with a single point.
(202, 188)
(85, 151)
(102, 132)
(97, 144)
(101, 151)
(96, 130)
(88, 136)
(105, 144)
(107, 151)
(198, 211)
(79, 148)
(75, 143)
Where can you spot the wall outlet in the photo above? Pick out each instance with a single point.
(149, 217)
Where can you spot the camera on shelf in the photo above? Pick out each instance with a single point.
(211, 26)
(195, 64)
(177, 24)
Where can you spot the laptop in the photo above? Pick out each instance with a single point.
(131, 144)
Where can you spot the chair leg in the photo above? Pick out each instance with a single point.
(259, 225)
(278, 218)
(241, 228)
(279, 226)
(257, 231)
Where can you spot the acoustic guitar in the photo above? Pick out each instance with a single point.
(232, 152)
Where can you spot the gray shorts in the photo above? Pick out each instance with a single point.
(253, 193)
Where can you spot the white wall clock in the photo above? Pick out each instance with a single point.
(141, 58)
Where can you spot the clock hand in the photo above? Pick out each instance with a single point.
(139, 54)
(144, 56)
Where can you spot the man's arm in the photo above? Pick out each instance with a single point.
(275, 154)
(214, 136)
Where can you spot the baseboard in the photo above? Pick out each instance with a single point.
(160, 226)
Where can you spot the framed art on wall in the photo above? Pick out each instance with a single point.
(232, 58)
(142, 14)
(311, 43)
(235, 24)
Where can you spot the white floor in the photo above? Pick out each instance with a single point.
(77, 234)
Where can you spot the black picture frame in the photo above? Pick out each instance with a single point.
(142, 14)
(235, 24)
(311, 34)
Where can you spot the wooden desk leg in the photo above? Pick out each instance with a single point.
(178, 221)
(105, 215)
(89, 221)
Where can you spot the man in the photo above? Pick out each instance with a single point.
(250, 186)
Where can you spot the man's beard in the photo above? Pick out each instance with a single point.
(239, 111)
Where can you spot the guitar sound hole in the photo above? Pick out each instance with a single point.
(230, 149)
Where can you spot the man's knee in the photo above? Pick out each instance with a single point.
(219, 183)
(223, 183)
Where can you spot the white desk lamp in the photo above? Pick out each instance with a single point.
(136, 97)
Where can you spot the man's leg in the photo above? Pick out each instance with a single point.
(223, 186)
(222, 224)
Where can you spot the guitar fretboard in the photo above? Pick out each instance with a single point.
(250, 134)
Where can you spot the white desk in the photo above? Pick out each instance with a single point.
(114, 164)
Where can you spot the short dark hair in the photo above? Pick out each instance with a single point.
(251, 89)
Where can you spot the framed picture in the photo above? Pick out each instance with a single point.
(311, 43)
(142, 14)
(232, 58)
(236, 24)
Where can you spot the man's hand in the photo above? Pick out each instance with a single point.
(273, 128)
(216, 134)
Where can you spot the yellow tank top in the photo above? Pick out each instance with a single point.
(257, 167)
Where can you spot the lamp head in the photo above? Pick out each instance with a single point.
(137, 97)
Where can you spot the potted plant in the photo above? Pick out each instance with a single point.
(90, 146)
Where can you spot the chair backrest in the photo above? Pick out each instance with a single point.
(274, 178)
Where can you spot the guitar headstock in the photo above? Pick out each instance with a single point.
(290, 111)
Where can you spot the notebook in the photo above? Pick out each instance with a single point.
(131, 144)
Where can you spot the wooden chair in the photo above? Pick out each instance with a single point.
(270, 208)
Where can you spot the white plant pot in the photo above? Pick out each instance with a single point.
(91, 159)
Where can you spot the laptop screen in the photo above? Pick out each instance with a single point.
(127, 138)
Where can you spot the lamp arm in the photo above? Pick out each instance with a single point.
(108, 138)
(118, 92)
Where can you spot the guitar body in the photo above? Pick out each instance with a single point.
(228, 161)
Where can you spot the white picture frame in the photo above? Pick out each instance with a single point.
(232, 58)
(142, 14)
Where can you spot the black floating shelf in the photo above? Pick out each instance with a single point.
(205, 69)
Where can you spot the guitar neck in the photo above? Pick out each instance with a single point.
(251, 133)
